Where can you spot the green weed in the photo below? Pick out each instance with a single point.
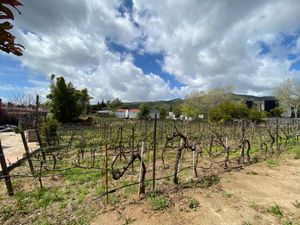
(275, 210)
(272, 162)
(158, 203)
(193, 203)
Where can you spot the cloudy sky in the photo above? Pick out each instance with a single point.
(152, 49)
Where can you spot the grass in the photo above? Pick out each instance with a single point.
(6, 212)
(296, 150)
(158, 203)
(209, 181)
(193, 203)
(272, 163)
(81, 176)
(227, 194)
(275, 210)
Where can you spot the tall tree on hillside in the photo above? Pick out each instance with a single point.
(7, 40)
(288, 94)
(66, 103)
(115, 104)
(144, 111)
(201, 102)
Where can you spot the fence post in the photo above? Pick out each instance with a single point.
(154, 152)
(194, 161)
(27, 152)
(106, 174)
(141, 167)
(5, 172)
(277, 135)
(132, 147)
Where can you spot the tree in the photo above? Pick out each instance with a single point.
(144, 111)
(162, 112)
(228, 111)
(115, 104)
(7, 40)
(201, 102)
(66, 103)
(288, 94)
(277, 111)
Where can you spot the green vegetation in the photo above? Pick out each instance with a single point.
(228, 111)
(144, 111)
(66, 103)
(193, 203)
(158, 203)
(208, 181)
(275, 210)
(272, 163)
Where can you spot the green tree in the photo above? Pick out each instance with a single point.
(201, 102)
(115, 104)
(228, 111)
(162, 112)
(66, 103)
(144, 111)
(277, 111)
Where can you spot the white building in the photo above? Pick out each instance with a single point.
(127, 113)
(121, 113)
(153, 112)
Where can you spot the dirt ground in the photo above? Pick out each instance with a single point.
(13, 146)
(263, 193)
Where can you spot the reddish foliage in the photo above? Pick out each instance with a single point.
(7, 40)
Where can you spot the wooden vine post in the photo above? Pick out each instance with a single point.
(27, 152)
(5, 172)
(106, 175)
(141, 169)
(154, 151)
(277, 135)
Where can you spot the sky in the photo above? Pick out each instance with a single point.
(144, 50)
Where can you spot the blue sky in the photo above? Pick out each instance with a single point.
(152, 50)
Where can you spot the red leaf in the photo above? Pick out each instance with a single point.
(7, 13)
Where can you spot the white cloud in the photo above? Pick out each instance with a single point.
(215, 43)
(204, 43)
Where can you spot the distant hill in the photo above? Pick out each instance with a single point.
(155, 104)
(177, 101)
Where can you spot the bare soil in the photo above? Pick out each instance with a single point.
(13, 146)
(248, 196)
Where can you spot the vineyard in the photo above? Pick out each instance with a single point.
(80, 168)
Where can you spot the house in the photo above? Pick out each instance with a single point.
(153, 112)
(121, 113)
(133, 113)
(127, 113)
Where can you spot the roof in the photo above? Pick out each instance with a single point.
(134, 110)
(121, 110)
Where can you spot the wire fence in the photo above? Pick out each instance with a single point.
(149, 151)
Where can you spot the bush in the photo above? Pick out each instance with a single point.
(49, 128)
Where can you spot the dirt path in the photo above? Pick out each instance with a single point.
(13, 146)
(241, 197)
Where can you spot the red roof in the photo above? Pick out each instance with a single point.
(121, 110)
(134, 110)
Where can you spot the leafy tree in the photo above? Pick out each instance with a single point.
(288, 94)
(228, 111)
(201, 102)
(144, 111)
(277, 111)
(256, 115)
(162, 112)
(115, 104)
(66, 103)
(7, 40)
